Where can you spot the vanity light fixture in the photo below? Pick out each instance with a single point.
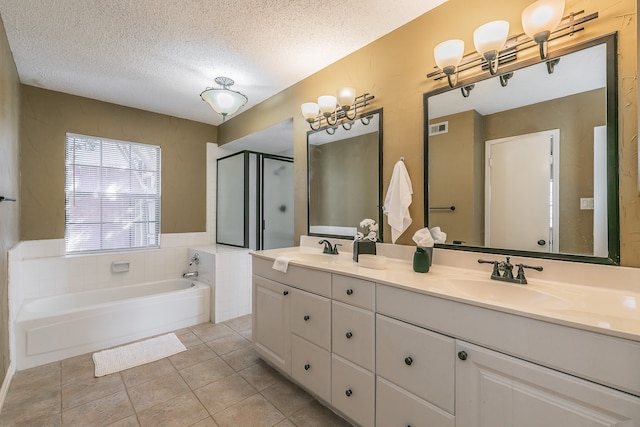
(332, 111)
(539, 19)
(489, 39)
(541, 24)
(223, 100)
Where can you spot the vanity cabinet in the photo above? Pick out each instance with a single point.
(493, 390)
(271, 337)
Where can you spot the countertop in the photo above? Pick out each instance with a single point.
(613, 312)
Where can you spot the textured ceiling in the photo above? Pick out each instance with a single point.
(158, 55)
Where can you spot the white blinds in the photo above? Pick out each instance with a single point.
(112, 194)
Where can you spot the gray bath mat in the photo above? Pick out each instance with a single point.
(138, 353)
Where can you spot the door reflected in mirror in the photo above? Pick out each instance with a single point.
(343, 175)
(531, 168)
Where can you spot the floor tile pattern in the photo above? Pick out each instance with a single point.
(219, 381)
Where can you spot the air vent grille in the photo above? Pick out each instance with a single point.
(438, 128)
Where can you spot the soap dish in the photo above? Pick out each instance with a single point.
(372, 261)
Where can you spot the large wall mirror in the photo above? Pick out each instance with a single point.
(344, 179)
(530, 168)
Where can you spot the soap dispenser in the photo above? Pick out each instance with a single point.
(421, 260)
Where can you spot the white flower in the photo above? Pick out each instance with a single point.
(372, 226)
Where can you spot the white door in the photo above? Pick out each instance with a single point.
(521, 192)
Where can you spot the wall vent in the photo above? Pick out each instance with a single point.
(438, 128)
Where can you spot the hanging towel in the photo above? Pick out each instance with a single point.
(397, 201)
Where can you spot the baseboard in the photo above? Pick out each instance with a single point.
(5, 385)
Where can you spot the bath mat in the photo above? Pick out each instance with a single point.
(138, 353)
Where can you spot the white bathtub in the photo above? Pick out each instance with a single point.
(62, 326)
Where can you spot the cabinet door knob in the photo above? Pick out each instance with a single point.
(462, 355)
(348, 393)
(285, 293)
(408, 360)
(307, 367)
(306, 317)
(349, 335)
(349, 291)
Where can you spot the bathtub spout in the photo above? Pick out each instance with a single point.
(190, 274)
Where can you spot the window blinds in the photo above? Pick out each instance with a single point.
(112, 195)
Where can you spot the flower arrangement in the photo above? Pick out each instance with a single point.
(371, 226)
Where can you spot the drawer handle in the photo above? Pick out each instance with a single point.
(408, 360)
(462, 355)
(285, 293)
(349, 291)
(348, 393)
(306, 317)
(349, 335)
(307, 367)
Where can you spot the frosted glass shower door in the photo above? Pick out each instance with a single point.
(277, 203)
(231, 200)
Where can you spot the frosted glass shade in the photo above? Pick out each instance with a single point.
(542, 17)
(346, 96)
(310, 110)
(491, 37)
(327, 104)
(224, 101)
(449, 53)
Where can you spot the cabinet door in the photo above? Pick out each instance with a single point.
(353, 335)
(495, 390)
(271, 336)
(311, 367)
(311, 317)
(353, 391)
(418, 360)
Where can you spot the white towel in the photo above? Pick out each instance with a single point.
(281, 263)
(397, 201)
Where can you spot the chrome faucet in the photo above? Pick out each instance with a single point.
(188, 274)
(328, 248)
(195, 259)
(507, 271)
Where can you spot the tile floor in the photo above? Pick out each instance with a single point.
(218, 381)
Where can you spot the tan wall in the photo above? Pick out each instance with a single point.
(575, 116)
(456, 174)
(393, 69)
(46, 116)
(9, 183)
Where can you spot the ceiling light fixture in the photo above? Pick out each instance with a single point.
(542, 21)
(335, 110)
(223, 100)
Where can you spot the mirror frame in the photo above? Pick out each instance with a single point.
(613, 227)
(379, 219)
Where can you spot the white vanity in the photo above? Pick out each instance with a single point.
(448, 348)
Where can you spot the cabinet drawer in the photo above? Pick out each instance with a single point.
(418, 360)
(311, 317)
(308, 279)
(311, 367)
(353, 391)
(353, 334)
(397, 407)
(361, 293)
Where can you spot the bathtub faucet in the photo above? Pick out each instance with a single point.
(188, 274)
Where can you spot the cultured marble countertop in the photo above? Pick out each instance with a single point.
(614, 312)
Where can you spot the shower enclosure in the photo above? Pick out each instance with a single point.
(254, 200)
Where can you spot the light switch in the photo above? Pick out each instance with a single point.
(586, 203)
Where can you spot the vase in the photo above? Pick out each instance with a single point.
(363, 247)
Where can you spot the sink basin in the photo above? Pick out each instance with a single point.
(506, 293)
(319, 258)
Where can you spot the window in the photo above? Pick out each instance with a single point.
(112, 195)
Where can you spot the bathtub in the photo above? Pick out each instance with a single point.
(57, 327)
